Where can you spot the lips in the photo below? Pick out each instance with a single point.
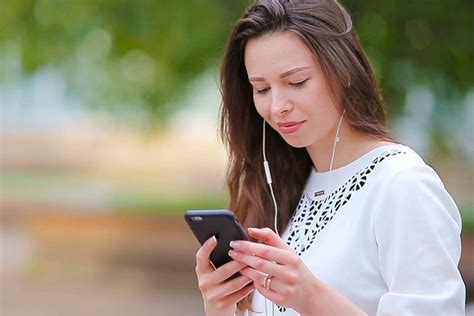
(289, 127)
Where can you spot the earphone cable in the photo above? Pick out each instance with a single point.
(336, 140)
(269, 181)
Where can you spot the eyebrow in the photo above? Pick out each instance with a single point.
(283, 75)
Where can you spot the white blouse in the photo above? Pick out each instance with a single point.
(387, 237)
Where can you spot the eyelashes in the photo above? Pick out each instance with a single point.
(297, 84)
(261, 91)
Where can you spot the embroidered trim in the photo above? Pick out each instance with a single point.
(310, 219)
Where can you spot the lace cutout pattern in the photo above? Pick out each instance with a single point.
(311, 217)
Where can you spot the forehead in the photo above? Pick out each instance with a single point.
(276, 53)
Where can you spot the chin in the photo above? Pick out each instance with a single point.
(296, 142)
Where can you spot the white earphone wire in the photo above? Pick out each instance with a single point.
(268, 175)
(269, 181)
(336, 140)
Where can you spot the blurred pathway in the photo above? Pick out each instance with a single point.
(119, 293)
(40, 276)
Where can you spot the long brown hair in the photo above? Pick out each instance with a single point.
(326, 28)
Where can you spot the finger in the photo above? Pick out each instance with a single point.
(239, 295)
(271, 253)
(258, 263)
(258, 277)
(268, 236)
(273, 296)
(275, 285)
(203, 261)
(227, 270)
(234, 285)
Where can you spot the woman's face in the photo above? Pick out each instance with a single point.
(290, 90)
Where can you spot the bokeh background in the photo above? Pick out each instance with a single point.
(108, 114)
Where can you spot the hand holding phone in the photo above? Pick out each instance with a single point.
(219, 223)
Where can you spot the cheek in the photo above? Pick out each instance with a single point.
(322, 93)
(260, 107)
(319, 102)
(264, 112)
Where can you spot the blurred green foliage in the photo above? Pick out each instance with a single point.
(78, 190)
(119, 52)
(467, 215)
(427, 42)
(141, 54)
(70, 189)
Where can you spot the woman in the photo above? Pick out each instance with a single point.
(367, 227)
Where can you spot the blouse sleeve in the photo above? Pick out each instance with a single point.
(417, 230)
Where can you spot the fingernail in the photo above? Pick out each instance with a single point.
(234, 244)
(213, 239)
(232, 253)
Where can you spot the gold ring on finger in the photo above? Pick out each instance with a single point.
(267, 281)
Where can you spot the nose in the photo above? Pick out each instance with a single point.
(280, 103)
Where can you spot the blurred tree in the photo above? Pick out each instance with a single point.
(427, 42)
(119, 53)
(140, 54)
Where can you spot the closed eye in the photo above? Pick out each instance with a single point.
(298, 83)
(261, 91)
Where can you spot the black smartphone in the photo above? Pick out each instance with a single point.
(220, 223)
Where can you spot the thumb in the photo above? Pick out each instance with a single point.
(203, 262)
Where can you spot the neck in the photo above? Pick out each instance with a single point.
(352, 145)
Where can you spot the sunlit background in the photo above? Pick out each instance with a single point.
(108, 121)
